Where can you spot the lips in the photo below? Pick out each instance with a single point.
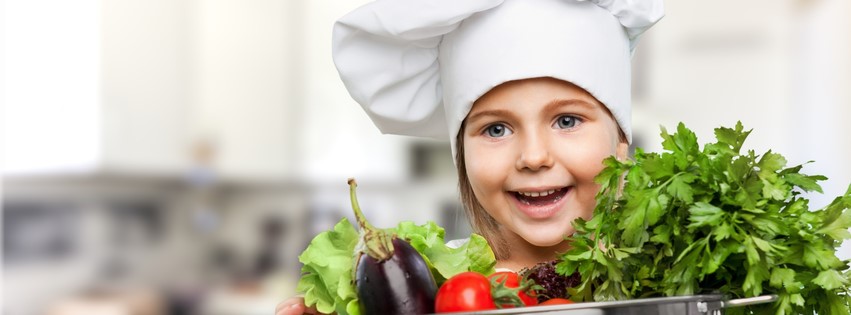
(542, 197)
(540, 204)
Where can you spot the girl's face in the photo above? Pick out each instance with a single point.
(532, 149)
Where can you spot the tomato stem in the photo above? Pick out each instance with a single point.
(504, 296)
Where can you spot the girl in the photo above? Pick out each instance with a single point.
(533, 95)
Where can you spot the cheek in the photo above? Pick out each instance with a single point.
(477, 168)
(486, 171)
(586, 163)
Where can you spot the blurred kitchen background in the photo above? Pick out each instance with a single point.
(175, 156)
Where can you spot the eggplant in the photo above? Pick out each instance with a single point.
(391, 277)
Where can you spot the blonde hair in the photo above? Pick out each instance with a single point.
(480, 220)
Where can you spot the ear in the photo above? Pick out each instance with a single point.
(622, 150)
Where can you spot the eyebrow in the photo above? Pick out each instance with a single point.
(484, 113)
(569, 102)
(549, 106)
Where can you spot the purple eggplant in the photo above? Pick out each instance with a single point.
(391, 276)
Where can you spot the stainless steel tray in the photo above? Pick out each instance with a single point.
(676, 305)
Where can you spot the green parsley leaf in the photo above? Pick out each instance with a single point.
(807, 183)
(703, 214)
(830, 280)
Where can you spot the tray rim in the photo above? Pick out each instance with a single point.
(610, 304)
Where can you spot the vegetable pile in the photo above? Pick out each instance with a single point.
(712, 220)
(334, 259)
(396, 271)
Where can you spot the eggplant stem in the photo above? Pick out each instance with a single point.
(378, 243)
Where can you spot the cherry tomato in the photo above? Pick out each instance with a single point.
(556, 301)
(466, 291)
(512, 280)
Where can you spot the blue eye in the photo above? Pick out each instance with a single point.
(567, 122)
(497, 131)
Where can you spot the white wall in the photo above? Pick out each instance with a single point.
(146, 54)
(245, 85)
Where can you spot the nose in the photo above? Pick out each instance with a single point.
(534, 153)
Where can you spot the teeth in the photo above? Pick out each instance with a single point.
(538, 194)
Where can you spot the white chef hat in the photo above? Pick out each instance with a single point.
(417, 66)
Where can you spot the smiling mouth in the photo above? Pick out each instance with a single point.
(541, 198)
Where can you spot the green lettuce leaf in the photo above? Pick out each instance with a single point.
(326, 277)
(445, 262)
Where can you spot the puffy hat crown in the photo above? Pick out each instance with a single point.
(417, 66)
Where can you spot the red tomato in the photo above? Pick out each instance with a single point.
(556, 301)
(466, 291)
(512, 280)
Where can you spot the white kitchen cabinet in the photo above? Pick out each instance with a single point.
(709, 72)
(338, 139)
(265, 90)
(95, 86)
(133, 87)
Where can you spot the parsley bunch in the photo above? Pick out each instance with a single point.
(712, 220)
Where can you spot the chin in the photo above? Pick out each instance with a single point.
(546, 239)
